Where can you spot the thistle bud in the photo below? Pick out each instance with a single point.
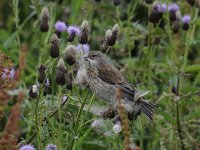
(174, 90)
(154, 17)
(149, 1)
(191, 2)
(33, 92)
(54, 49)
(97, 0)
(41, 73)
(175, 27)
(69, 81)
(83, 38)
(116, 2)
(111, 37)
(60, 72)
(70, 54)
(115, 28)
(44, 27)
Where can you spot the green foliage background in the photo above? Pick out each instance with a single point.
(149, 65)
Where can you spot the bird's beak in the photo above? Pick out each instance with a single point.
(85, 58)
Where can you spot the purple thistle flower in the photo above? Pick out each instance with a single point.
(160, 7)
(60, 26)
(27, 147)
(186, 19)
(83, 47)
(173, 8)
(163, 8)
(8, 74)
(65, 98)
(12, 73)
(73, 30)
(51, 147)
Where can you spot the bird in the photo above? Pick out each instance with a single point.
(103, 78)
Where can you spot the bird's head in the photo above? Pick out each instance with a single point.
(95, 58)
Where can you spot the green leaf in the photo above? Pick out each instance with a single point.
(192, 68)
(166, 116)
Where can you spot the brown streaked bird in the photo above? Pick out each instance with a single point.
(103, 78)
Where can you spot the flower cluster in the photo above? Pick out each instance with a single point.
(160, 9)
(73, 30)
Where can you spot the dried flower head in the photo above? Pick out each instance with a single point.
(51, 147)
(60, 72)
(54, 49)
(6, 83)
(85, 29)
(41, 73)
(70, 54)
(72, 32)
(27, 147)
(60, 27)
(44, 18)
(8, 139)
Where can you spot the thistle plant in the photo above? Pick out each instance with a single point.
(50, 96)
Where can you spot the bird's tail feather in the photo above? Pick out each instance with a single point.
(147, 108)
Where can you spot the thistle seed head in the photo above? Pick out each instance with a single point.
(70, 54)
(41, 73)
(60, 72)
(44, 18)
(54, 49)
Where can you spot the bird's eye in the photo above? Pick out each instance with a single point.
(93, 56)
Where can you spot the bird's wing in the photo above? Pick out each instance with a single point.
(111, 75)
